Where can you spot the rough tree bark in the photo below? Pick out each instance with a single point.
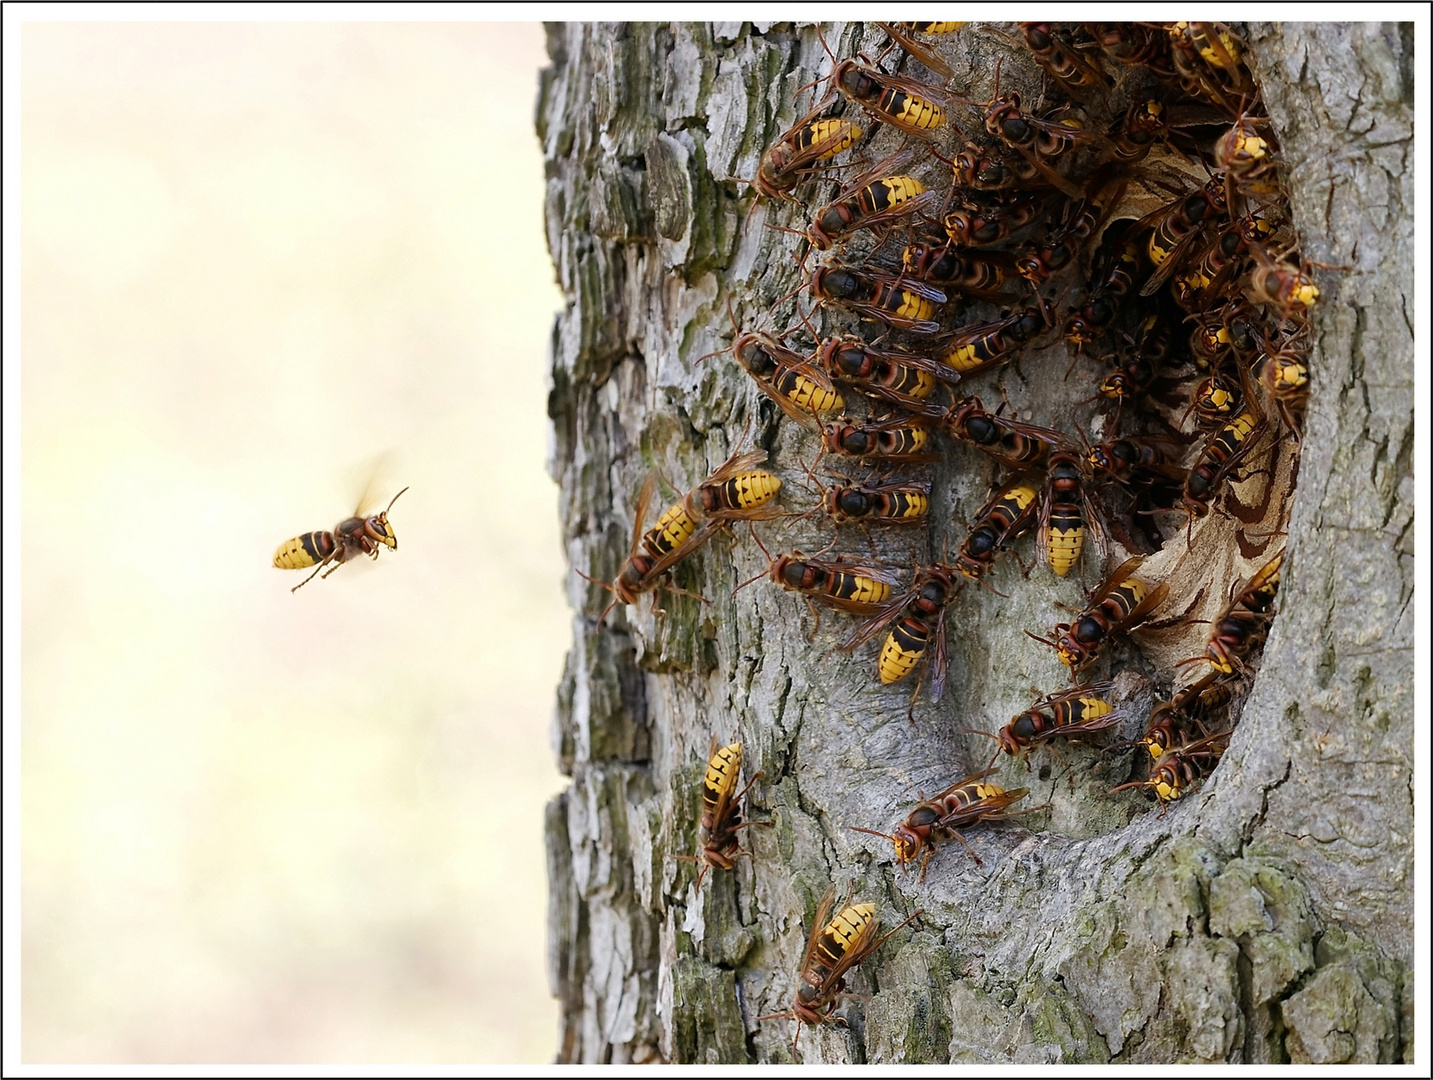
(1267, 918)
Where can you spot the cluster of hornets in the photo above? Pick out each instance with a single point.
(1132, 207)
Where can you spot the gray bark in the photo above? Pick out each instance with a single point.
(1268, 917)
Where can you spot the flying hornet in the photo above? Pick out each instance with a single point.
(350, 538)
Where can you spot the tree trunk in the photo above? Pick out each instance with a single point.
(1268, 917)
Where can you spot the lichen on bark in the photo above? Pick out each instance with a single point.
(1266, 918)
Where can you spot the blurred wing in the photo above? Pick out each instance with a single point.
(371, 479)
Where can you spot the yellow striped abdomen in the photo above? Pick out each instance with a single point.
(915, 307)
(969, 795)
(902, 651)
(1013, 503)
(722, 773)
(889, 192)
(970, 355)
(745, 491)
(1232, 435)
(860, 589)
(917, 383)
(851, 924)
(821, 132)
(1166, 237)
(1265, 586)
(1124, 599)
(1088, 708)
(310, 549)
(810, 395)
(1064, 548)
(912, 505)
(673, 529)
(903, 442)
(1159, 247)
(912, 111)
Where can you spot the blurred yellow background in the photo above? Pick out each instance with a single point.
(257, 826)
